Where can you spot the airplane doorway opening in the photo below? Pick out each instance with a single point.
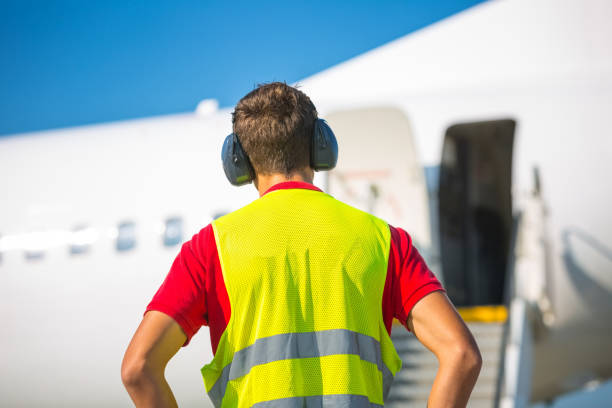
(475, 210)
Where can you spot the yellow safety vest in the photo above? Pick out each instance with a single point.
(305, 275)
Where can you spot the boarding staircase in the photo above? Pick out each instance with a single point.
(419, 366)
(504, 333)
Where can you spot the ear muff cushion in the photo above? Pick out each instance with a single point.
(324, 149)
(236, 165)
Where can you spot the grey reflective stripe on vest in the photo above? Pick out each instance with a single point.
(301, 345)
(318, 401)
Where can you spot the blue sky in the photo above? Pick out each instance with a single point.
(68, 63)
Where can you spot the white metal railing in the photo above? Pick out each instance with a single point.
(517, 366)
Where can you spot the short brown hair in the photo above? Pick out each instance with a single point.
(274, 123)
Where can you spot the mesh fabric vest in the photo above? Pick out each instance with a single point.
(305, 275)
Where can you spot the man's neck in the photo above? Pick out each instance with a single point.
(263, 182)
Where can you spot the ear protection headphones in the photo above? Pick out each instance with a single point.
(238, 168)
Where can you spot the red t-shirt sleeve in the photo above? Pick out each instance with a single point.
(182, 295)
(409, 278)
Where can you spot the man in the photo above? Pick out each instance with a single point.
(299, 290)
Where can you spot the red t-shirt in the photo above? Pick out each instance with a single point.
(194, 292)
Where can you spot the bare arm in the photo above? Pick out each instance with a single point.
(436, 323)
(155, 342)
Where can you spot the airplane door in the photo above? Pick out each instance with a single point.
(379, 170)
(475, 210)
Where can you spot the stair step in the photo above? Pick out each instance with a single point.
(488, 373)
(422, 392)
(429, 359)
(486, 329)
(421, 403)
(413, 383)
(413, 344)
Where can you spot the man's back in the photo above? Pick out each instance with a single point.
(305, 276)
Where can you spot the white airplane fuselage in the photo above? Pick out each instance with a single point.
(72, 297)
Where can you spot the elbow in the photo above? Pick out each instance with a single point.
(470, 358)
(133, 373)
(464, 357)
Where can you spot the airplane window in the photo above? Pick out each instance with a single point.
(126, 236)
(34, 244)
(173, 231)
(81, 240)
(34, 255)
